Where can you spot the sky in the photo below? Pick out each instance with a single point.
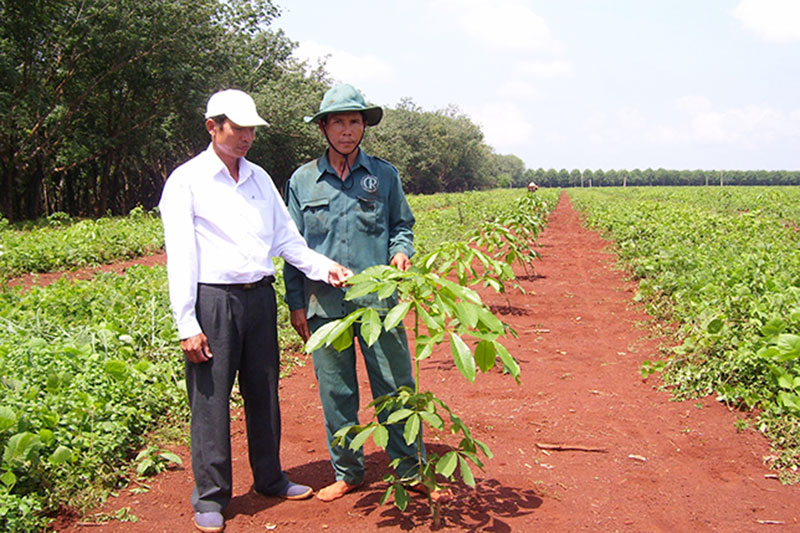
(586, 84)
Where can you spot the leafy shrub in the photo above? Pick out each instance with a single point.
(723, 264)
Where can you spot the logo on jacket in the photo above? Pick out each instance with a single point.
(369, 183)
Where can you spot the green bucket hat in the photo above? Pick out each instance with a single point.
(342, 98)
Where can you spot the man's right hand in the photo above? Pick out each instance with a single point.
(196, 348)
(338, 274)
(300, 323)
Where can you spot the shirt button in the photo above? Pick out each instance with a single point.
(341, 214)
(342, 241)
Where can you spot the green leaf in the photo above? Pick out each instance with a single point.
(359, 440)
(344, 327)
(434, 420)
(21, 447)
(320, 337)
(397, 416)
(411, 429)
(337, 333)
(789, 401)
(116, 369)
(466, 472)
(401, 498)
(396, 315)
(485, 355)
(342, 432)
(145, 466)
(424, 350)
(381, 437)
(509, 363)
(715, 326)
(171, 457)
(46, 436)
(430, 259)
(61, 455)
(387, 494)
(386, 289)
(789, 345)
(467, 313)
(371, 326)
(8, 479)
(446, 465)
(430, 323)
(484, 448)
(143, 365)
(462, 357)
(773, 328)
(361, 289)
(343, 341)
(464, 293)
(7, 418)
(53, 382)
(785, 381)
(490, 322)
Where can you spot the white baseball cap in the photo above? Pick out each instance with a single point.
(237, 105)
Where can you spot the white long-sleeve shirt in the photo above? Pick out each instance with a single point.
(217, 230)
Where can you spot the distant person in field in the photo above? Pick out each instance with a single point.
(532, 187)
(223, 221)
(350, 206)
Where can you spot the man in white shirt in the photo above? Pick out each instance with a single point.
(223, 221)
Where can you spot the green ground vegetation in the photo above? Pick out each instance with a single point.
(58, 242)
(723, 265)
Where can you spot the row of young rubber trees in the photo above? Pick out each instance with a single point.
(436, 291)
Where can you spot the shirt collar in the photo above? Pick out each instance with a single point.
(216, 166)
(324, 165)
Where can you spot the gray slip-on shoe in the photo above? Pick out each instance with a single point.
(292, 491)
(209, 522)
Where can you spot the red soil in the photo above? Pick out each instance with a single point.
(665, 465)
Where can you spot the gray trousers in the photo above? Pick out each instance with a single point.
(242, 334)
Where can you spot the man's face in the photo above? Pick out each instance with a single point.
(345, 130)
(229, 139)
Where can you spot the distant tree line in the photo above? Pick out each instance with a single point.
(440, 151)
(664, 177)
(101, 99)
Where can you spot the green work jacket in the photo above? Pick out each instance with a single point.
(359, 222)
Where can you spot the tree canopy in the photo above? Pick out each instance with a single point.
(434, 150)
(101, 99)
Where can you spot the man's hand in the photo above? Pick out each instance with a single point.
(401, 261)
(196, 348)
(300, 323)
(338, 274)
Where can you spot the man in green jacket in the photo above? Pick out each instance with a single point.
(350, 207)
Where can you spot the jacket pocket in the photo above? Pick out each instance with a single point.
(316, 217)
(368, 215)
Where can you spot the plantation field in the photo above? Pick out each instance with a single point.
(723, 264)
(584, 443)
(89, 366)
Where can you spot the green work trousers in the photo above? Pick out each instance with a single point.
(388, 366)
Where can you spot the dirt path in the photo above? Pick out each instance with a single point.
(668, 466)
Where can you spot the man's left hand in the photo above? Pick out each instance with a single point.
(338, 274)
(401, 261)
